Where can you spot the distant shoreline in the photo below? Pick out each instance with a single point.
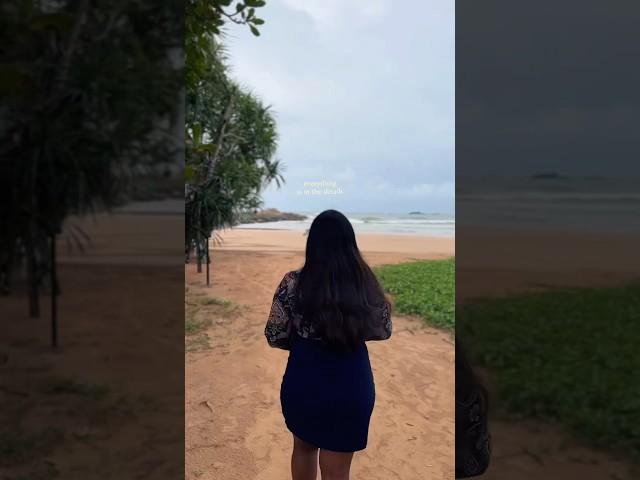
(241, 227)
(436, 225)
(271, 240)
(270, 215)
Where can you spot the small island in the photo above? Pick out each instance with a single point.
(416, 213)
(269, 215)
(547, 176)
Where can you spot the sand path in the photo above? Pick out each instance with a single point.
(234, 427)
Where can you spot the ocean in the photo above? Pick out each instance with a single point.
(431, 224)
(550, 202)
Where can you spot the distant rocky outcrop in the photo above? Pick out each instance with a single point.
(547, 176)
(269, 215)
(417, 212)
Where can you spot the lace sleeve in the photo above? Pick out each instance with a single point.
(278, 325)
(382, 325)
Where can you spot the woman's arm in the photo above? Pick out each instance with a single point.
(382, 326)
(278, 328)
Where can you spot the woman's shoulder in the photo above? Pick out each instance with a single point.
(290, 279)
(292, 276)
(285, 292)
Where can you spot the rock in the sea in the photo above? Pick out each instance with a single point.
(269, 215)
(547, 176)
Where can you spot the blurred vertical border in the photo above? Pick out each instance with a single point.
(91, 239)
(547, 210)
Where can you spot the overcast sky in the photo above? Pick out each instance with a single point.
(363, 92)
(547, 87)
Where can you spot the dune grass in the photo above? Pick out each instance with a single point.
(568, 356)
(193, 326)
(23, 446)
(216, 301)
(201, 311)
(425, 288)
(73, 386)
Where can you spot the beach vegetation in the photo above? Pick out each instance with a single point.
(424, 288)
(73, 386)
(24, 447)
(568, 356)
(193, 325)
(201, 313)
(198, 343)
(230, 134)
(216, 301)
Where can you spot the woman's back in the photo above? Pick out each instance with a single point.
(323, 314)
(286, 318)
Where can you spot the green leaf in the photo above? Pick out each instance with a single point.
(254, 30)
(197, 133)
(61, 22)
(204, 148)
(257, 21)
(12, 79)
(189, 173)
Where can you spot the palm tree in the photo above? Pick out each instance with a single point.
(231, 144)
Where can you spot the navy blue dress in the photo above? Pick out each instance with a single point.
(327, 397)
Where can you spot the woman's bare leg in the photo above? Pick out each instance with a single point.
(335, 465)
(304, 460)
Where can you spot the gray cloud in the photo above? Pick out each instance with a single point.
(364, 96)
(547, 86)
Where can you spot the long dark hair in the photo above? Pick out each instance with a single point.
(337, 293)
(473, 439)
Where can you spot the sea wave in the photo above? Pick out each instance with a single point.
(383, 223)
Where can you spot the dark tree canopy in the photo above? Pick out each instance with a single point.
(89, 92)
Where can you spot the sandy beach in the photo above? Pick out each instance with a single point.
(119, 322)
(519, 261)
(371, 244)
(234, 427)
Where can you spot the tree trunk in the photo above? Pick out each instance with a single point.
(54, 294)
(32, 280)
(199, 254)
(209, 167)
(62, 73)
(208, 262)
(226, 117)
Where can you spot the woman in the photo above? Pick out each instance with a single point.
(323, 314)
